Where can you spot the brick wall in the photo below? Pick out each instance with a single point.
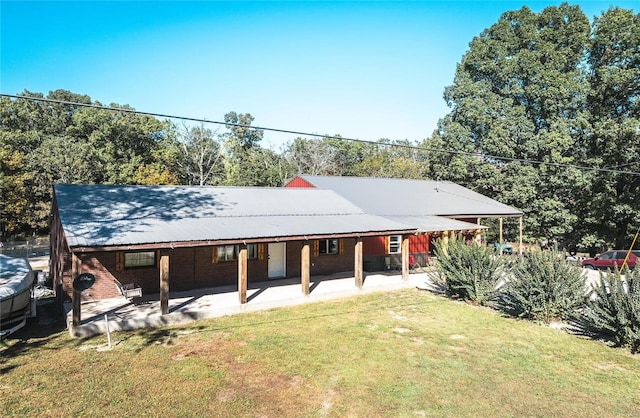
(191, 268)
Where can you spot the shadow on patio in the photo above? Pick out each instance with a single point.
(187, 306)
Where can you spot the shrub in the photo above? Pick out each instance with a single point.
(615, 310)
(470, 272)
(544, 287)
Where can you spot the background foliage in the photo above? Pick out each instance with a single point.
(534, 87)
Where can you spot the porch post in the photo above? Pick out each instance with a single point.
(445, 241)
(405, 257)
(305, 263)
(164, 283)
(501, 236)
(478, 237)
(357, 263)
(520, 235)
(242, 274)
(76, 268)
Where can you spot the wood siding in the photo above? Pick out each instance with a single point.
(300, 183)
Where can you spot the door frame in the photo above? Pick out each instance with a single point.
(274, 263)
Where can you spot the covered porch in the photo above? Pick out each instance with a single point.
(187, 306)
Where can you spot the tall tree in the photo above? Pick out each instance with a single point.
(519, 93)
(611, 208)
(243, 161)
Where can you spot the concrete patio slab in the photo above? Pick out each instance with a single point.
(184, 307)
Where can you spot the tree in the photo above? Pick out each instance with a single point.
(611, 207)
(312, 157)
(243, 164)
(198, 156)
(519, 93)
(47, 142)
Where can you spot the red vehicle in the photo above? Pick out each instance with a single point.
(611, 259)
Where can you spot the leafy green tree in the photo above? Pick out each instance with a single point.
(519, 93)
(610, 207)
(246, 163)
(397, 159)
(49, 142)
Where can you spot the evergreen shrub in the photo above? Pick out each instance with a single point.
(468, 271)
(615, 310)
(544, 287)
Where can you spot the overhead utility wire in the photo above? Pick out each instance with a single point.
(287, 131)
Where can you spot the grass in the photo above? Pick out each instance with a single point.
(405, 353)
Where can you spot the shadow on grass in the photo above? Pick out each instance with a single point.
(38, 332)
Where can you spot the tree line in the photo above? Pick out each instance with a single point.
(550, 92)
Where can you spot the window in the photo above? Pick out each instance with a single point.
(140, 259)
(610, 255)
(230, 252)
(227, 252)
(394, 244)
(328, 246)
(252, 251)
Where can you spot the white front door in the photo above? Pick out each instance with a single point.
(277, 260)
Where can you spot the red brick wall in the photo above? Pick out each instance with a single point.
(329, 264)
(189, 268)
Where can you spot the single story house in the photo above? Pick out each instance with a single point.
(436, 208)
(181, 237)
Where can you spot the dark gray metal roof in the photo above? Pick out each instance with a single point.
(102, 215)
(405, 197)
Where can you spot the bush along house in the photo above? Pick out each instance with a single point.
(437, 209)
(156, 238)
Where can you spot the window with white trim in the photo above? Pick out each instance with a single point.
(140, 259)
(394, 244)
(328, 246)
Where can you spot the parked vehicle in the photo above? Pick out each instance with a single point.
(611, 259)
(506, 248)
(16, 301)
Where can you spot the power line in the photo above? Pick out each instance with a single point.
(362, 141)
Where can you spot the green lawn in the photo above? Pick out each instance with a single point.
(399, 354)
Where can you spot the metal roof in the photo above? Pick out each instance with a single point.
(103, 215)
(430, 223)
(406, 197)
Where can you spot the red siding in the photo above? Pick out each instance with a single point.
(298, 182)
(419, 243)
(373, 246)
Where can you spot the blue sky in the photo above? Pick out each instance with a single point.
(366, 70)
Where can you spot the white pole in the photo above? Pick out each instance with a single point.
(106, 320)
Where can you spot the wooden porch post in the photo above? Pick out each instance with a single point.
(76, 269)
(501, 236)
(305, 263)
(405, 257)
(242, 274)
(357, 263)
(164, 283)
(445, 241)
(478, 237)
(520, 252)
